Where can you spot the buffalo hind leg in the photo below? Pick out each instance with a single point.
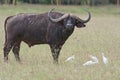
(16, 49)
(7, 48)
(55, 49)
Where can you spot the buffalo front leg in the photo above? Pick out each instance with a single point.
(55, 49)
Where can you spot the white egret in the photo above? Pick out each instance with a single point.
(94, 58)
(105, 60)
(70, 58)
(89, 63)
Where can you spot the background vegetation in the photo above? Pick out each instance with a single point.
(101, 34)
(63, 2)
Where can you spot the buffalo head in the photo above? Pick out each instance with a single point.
(70, 21)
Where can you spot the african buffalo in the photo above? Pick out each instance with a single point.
(51, 28)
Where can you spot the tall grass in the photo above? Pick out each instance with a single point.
(102, 34)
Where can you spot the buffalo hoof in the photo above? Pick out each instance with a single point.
(5, 59)
(55, 62)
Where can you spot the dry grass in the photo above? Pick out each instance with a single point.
(102, 34)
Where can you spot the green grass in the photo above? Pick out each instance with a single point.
(102, 34)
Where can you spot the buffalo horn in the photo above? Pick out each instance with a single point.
(83, 21)
(58, 19)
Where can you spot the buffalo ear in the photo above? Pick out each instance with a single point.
(80, 24)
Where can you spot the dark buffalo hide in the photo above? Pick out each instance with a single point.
(51, 28)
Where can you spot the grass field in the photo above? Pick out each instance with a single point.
(102, 34)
